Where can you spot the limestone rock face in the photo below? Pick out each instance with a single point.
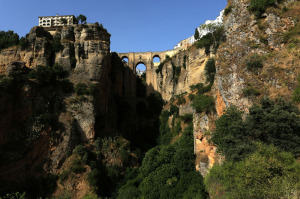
(38, 52)
(191, 75)
(245, 36)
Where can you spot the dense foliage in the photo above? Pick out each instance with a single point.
(296, 94)
(254, 62)
(8, 39)
(210, 70)
(258, 7)
(267, 173)
(203, 103)
(227, 10)
(167, 172)
(271, 122)
(212, 39)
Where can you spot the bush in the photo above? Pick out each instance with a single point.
(271, 122)
(203, 103)
(187, 118)
(79, 150)
(43, 74)
(254, 63)
(201, 89)
(267, 173)
(77, 167)
(296, 95)
(227, 10)
(174, 110)
(8, 39)
(191, 96)
(291, 34)
(180, 99)
(83, 89)
(56, 44)
(210, 70)
(250, 92)
(24, 43)
(205, 42)
(258, 7)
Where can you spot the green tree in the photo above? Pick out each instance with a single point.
(210, 70)
(64, 21)
(203, 103)
(271, 122)
(82, 19)
(267, 173)
(8, 39)
(196, 35)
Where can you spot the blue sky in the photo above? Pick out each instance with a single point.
(135, 25)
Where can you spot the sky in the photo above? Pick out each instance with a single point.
(135, 25)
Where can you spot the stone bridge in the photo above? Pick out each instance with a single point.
(146, 58)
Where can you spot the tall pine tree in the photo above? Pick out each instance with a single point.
(197, 36)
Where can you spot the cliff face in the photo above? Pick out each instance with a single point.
(246, 38)
(83, 51)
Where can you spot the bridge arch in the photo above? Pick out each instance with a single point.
(125, 58)
(156, 58)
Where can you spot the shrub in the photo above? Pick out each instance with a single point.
(174, 110)
(228, 10)
(58, 71)
(24, 43)
(203, 103)
(43, 74)
(212, 39)
(247, 178)
(271, 122)
(191, 96)
(201, 89)
(56, 44)
(77, 167)
(210, 70)
(205, 42)
(8, 39)
(296, 94)
(250, 92)
(258, 7)
(83, 89)
(180, 99)
(187, 118)
(177, 128)
(254, 63)
(291, 34)
(79, 150)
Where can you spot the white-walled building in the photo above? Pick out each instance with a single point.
(202, 32)
(50, 21)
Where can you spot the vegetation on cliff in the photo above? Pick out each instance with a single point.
(260, 152)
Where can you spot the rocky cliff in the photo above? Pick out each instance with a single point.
(46, 104)
(270, 40)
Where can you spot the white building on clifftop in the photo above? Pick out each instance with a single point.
(52, 21)
(189, 41)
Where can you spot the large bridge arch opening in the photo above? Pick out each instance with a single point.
(140, 67)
